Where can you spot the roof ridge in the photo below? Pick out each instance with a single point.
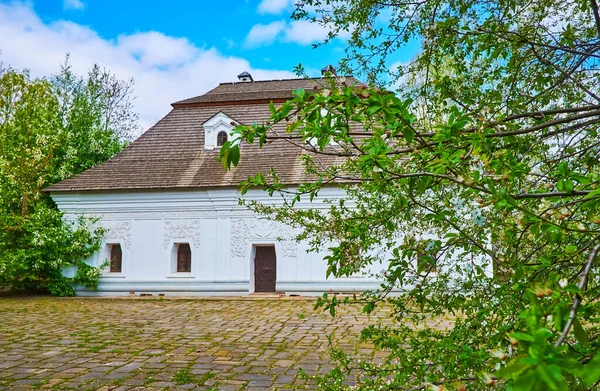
(289, 79)
(263, 89)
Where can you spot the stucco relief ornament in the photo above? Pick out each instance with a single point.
(290, 248)
(118, 230)
(238, 237)
(244, 230)
(182, 229)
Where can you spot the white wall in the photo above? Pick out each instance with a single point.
(221, 234)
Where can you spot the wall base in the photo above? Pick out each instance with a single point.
(223, 288)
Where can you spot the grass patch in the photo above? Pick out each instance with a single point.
(41, 384)
(184, 376)
(149, 380)
(206, 377)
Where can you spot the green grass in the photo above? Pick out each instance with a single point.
(149, 380)
(183, 376)
(206, 377)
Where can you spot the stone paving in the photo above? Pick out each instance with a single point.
(134, 344)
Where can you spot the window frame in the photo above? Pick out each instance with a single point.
(171, 259)
(104, 255)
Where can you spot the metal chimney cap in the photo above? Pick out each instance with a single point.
(245, 76)
(328, 69)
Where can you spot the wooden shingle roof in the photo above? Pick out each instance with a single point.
(171, 154)
(275, 90)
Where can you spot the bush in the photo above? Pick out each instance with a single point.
(34, 251)
(52, 129)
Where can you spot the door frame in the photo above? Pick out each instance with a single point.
(252, 278)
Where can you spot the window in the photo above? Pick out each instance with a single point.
(179, 260)
(116, 258)
(184, 258)
(217, 130)
(221, 138)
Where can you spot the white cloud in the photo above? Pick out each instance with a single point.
(73, 5)
(174, 51)
(305, 32)
(264, 34)
(273, 6)
(393, 71)
(165, 69)
(302, 32)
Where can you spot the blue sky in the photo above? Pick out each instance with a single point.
(172, 49)
(221, 24)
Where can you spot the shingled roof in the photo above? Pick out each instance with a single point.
(267, 90)
(171, 154)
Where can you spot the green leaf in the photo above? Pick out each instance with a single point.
(409, 134)
(580, 333)
(299, 93)
(234, 154)
(272, 109)
(373, 109)
(563, 169)
(552, 378)
(591, 372)
(571, 249)
(524, 381)
(422, 184)
(438, 137)
(522, 337)
(584, 180)
(565, 185)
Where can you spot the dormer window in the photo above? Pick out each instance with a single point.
(221, 138)
(217, 130)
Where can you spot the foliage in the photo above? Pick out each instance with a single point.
(475, 187)
(51, 129)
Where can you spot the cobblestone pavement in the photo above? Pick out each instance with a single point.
(126, 344)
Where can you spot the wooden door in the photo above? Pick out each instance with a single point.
(265, 269)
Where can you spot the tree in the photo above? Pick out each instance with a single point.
(51, 129)
(479, 177)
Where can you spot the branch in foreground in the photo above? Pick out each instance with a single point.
(577, 301)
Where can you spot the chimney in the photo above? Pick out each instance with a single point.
(245, 77)
(329, 70)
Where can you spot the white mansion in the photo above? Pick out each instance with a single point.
(171, 213)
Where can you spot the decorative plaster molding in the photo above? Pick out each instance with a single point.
(179, 229)
(177, 204)
(169, 215)
(245, 229)
(290, 248)
(118, 229)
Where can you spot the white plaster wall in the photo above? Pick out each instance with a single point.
(221, 234)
